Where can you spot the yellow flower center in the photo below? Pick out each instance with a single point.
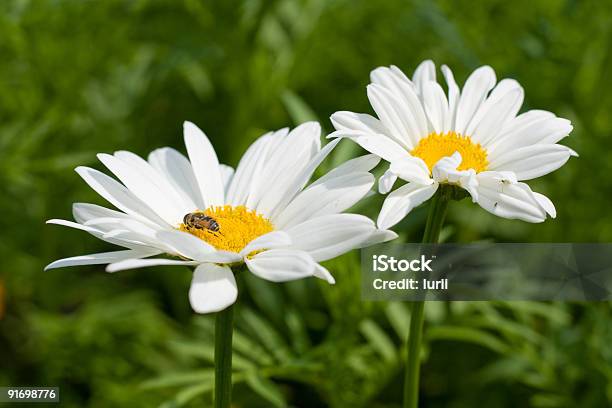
(227, 228)
(438, 145)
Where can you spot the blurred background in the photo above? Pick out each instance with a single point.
(81, 77)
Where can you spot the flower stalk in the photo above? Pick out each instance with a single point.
(435, 220)
(224, 325)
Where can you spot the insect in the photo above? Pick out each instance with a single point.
(200, 221)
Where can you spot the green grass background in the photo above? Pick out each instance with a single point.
(81, 77)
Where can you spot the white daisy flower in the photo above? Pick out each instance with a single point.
(473, 138)
(206, 215)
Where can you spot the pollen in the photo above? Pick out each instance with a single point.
(237, 226)
(438, 145)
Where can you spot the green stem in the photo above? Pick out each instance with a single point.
(224, 322)
(435, 219)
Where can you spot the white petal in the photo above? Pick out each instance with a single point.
(546, 204)
(400, 202)
(108, 223)
(119, 196)
(213, 288)
(74, 225)
(260, 177)
(508, 200)
(100, 233)
(436, 106)
(396, 114)
(426, 71)
(194, 248)
(501, 90)
(100, 258)
(391, 78)
(130, 239)
(322, 273)
(505, 176)
(329, 197)
(356, 165)
(83, 212)
(442, 167)
(286, 166)
(379, 236)
(205, 165)
(445, 171)
(329, 236)
(386, 181)
(183, 202)
(496, 116)
(358, 122)
(144, 188)
(533, 161)
(394, 80)
(529, 129)
(377, 143)
(274, 203)
(412, 169)
(177, 169)
(144, 263)
(282, 265)
(227, 172)
(524, 120)
(128, 230)
(351, 175)
(271, 240)
(474, 92)
(248, 172)
(453, 96)
(400, 75)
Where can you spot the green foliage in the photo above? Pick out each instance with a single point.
(77, 78)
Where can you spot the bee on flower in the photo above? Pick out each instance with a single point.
(200, 213)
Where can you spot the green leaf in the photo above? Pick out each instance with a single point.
(378, 339)
(64, 161)
(399, 317)
(206, 352)
(468, 335)
(250, 349)
(508, 328)
(174, 379)
(297, 329)
(266, 389)
(267, 334)
(344, 151)
(299, 110)
(553, 312)
(269, 298)
(550, 401)
(187, 394)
